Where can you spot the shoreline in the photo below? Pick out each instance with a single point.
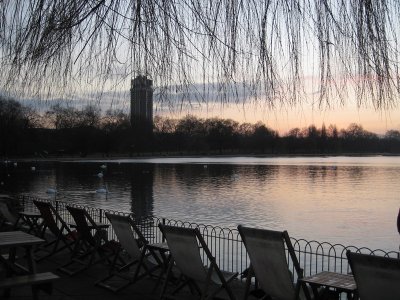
(187, 156)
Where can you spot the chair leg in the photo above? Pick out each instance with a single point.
(207, 283)
(114, 261)
(186, 282)
(229, 291)
(248, 283)
(139, 265)
(169, 272)
(35, 293)
(192, 285)
(298, 291)
(77, 247)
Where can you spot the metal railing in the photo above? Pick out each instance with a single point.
(226, 244)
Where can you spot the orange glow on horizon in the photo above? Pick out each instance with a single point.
(283, 120)
(285, 117)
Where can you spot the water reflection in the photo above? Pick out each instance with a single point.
(141, 186)
(351, 200)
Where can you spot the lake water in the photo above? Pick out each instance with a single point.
(347, 200)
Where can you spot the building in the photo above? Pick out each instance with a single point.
(141, 102)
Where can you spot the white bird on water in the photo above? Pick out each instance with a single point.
(101, 191)
(235, 176)
(100, 175)
(103, 166)
(51, 191)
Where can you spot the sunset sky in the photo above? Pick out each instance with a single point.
(281, 118)
(302, 116)
(316, 52)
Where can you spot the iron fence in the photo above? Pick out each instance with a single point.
(225, 243)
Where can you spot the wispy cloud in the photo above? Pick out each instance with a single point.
(166, 99)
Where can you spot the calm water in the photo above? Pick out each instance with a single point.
(348, 200)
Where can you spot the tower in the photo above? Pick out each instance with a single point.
(142, 103)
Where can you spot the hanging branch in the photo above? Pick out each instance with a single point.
(266, 50)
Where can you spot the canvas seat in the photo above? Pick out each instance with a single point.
(184, 248)
(53, 224)
(268, 262)
(91, 246)
(376, 277)
(8, 219)
(134, 244)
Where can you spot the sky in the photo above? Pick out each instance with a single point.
(303, 116)
(282, 117)
(283, 36)
(243, 109)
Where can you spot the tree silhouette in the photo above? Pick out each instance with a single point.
(15, 122)
(88, 132)
(221, 133)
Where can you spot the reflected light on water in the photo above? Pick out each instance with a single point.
(348, 200)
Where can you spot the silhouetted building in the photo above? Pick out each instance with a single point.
(142, 103)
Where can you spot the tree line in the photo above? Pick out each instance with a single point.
(70, 131)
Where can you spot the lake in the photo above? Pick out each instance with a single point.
(347, 200)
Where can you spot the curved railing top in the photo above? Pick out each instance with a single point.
(226, 244)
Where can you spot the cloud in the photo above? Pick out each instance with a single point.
(167, 99)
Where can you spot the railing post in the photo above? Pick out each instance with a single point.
(57, 211)
(163, 238)
(101, 215)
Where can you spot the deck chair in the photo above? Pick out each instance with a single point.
(8, 219)
(134, 244)
(268, 262)
(376, 277)
(63, 236)
(184, 248)
(91, 246)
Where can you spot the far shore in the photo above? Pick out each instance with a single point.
(116, 157)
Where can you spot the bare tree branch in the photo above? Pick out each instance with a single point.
(48, 47)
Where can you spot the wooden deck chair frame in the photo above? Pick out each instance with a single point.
(57, 226)
(376, 277)
(87, 245)
(136, 247)
(8, 218)
(192, 268)
(274, 263)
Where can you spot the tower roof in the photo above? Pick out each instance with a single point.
(141, 81)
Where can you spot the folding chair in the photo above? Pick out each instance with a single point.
(135, 246)
(8, 219)
(266, 250)
(376, 277)
(91, 241)
(63, 236)
(184, 248)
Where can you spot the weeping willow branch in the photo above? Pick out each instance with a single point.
(270, 49)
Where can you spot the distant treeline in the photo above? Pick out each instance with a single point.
(68, 131)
